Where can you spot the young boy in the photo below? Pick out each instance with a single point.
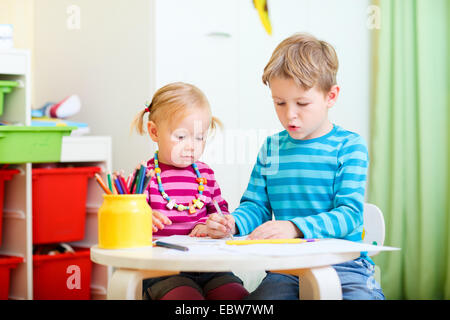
(312, 176)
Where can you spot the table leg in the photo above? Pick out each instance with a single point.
(126, 284)
(321, 283)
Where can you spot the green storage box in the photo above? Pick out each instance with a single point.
(19, 144)
(5, 87)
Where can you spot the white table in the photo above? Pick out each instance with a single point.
(317, 279)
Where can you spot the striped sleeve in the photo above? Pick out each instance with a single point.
(254, 208)
(346, 216)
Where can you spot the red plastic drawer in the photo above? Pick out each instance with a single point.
(4, 175)
(59, 203)
(65, 276)
(6, 264)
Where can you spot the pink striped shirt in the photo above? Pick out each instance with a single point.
(180, 184)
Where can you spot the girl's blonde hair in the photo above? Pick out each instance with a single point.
(171, 102)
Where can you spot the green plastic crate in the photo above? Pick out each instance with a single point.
(20, 144)
(5, 87)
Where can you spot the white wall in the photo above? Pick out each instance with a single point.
(229, 68)
(126, 49)
(341, 23)
(107, 62)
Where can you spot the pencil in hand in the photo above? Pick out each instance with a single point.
(219, 211)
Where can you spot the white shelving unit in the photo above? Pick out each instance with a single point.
(17, 210)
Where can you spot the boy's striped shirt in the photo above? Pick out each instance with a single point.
(318, 184)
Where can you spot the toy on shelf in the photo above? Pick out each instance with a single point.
(55, 114)
(67, 107)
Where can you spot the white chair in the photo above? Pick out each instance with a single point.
(373, 232)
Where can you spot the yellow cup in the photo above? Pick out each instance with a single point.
(124, 221)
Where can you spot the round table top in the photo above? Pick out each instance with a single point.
(158, 258)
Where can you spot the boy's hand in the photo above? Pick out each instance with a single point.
(198, 231)
(159, 220)
(276, 230)
(218, 226)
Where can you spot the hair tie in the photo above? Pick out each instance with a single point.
(148, 107)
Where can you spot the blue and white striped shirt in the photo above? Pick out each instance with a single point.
(317, 184)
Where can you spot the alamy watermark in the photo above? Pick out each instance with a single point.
(73, 21)
(374, 17)
(228, 147)
(74, 280)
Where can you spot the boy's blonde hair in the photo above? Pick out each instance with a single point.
(172, 102)
(305, 59)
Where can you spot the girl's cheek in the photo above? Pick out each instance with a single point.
(199, 147)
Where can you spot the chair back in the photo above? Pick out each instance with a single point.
(374, 228)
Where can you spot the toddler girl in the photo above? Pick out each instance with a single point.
(182, 192)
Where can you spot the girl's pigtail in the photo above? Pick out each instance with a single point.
(138, 123)
(215, 123)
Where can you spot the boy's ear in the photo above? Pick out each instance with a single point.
(152, 130)
(332, 96)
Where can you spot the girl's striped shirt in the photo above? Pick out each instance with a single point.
(181, 185)
(317, 184)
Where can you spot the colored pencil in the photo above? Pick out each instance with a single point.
(125, 181)
(120, 183)
(119, 187)
(114, 189)
(219, 211)
(138, 180)
(123, 184)
(113, 182)
(102, 184)
(141, 182)
(117, 183)
(171, 246)
(133, 183)
(147, 181)
(109, 182)
(136, 188)
(129, 181)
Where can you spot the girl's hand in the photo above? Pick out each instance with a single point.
(276, 230)
(198, 231)
(159, 220)
(220, 226)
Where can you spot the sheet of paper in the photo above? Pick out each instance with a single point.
(214, 246)
(186, 240)
(306, 248)
(197, 245)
